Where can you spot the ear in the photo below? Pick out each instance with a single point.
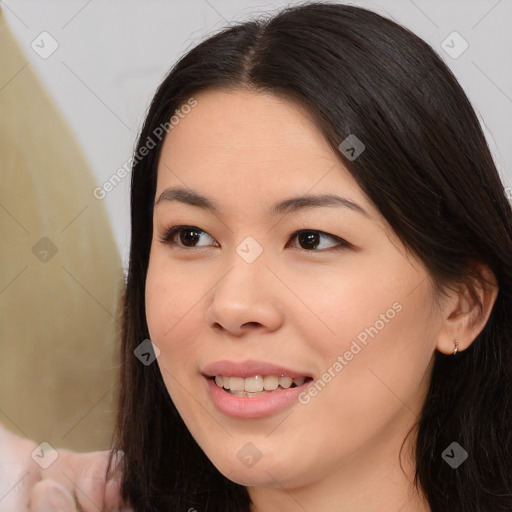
(466, 309)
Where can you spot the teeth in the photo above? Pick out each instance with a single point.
(285, 382)
(235, 383)
(254, 384)
(257, 385)
(270, 382)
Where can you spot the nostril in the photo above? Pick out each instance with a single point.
(252, 324)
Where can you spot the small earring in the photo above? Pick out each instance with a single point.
(455, 346)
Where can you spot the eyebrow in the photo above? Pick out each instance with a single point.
(285, 206)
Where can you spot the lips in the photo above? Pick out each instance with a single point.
(247, 404)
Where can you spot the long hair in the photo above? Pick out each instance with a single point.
(426, 167)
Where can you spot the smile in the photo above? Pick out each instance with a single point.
(253, 389)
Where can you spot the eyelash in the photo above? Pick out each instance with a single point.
(168, 238)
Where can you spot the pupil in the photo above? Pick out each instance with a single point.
(185, 240)
(309, 239)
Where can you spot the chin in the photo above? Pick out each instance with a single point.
(252, 477)
(255, 474)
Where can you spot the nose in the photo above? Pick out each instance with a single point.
(245, 300)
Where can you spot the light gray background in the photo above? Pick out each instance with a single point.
(113, 54)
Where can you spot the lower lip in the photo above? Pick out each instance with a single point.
(255, 406)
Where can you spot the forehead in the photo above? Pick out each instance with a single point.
(240, 146)
(243, 121)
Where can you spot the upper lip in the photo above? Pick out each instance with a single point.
(249, 368)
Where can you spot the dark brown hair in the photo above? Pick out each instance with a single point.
(428, 170)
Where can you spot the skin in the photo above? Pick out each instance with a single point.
(295, 306)
(26, 487)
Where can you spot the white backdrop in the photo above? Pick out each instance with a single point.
(101, 61)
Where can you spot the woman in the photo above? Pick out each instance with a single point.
(320, 256)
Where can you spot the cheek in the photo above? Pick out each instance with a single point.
(171, 296)
(358, 295)
(173, 313)
(378, 345)
(377, 368)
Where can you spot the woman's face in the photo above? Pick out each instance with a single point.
(239, 294)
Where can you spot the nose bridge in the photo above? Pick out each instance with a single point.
(244, 295)
(242, 284)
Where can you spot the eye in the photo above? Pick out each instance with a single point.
(188, 236)
(310, 240)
